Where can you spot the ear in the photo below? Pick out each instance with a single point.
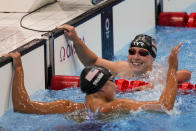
(101, 90)
(104, 87)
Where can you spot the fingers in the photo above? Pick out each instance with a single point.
(69, 31)
(66, 28)
(176, 49)
(12, 54)
(6, 55)
(179, 45)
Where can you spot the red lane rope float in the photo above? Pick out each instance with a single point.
(186, 86)
(178, 19)
(122, 84)
(59, 82)
(134, 84)
(191, 20)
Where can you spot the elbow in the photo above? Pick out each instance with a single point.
(18, 109)
(93, 62)
(167, 107)
(21, 107)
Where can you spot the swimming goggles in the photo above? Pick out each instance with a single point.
(140, 52)
(112, 79)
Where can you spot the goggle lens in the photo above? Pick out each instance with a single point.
(141, 52)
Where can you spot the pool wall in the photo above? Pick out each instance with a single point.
(176, 5)
(34, 64)
(105, 29)
(56, 55)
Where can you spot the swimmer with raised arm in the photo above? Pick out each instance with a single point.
(100, 92)
(142, 53)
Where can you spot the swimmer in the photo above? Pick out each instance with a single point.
(142, 53)
(96, 82)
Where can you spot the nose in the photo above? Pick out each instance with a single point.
(136, 56)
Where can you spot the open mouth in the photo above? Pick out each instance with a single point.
(137, 63)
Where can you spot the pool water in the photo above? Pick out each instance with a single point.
(181, 118)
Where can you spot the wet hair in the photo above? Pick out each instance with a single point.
(93, 78)
(146, 42)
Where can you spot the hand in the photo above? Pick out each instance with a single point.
(12, 54)
(16, 58)
(70, 31)
(144, 87)
(173, 57)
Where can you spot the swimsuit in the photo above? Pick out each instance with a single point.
(91, 116)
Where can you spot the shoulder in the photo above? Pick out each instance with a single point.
(70, 106)
(123, 69)
(183, 76)
(117, 105)
(122, 66)
(77, 106)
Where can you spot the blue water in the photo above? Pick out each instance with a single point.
(181, 118)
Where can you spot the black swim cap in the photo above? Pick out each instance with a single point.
(146, 42)
(92, 78)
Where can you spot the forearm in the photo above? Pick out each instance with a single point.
(86, 56)
(168, 96)
(19, 93)
(144, 87)
(22, 102)
(54, 107)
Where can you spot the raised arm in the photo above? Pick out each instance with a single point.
(22, 102)
(167, 98)
(86, 56)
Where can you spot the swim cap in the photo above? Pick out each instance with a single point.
(93, 78)
(146, 42)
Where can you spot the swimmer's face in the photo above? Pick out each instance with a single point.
(140, 60)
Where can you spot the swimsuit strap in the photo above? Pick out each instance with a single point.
(91, 116)
(85, 106)
(97, 110)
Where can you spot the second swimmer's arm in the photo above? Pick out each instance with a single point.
(22, 102)
(183, 76)
(167, 97)
(86, 56)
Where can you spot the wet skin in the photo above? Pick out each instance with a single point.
(103, 98)
(135, 66)
(140, 64)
